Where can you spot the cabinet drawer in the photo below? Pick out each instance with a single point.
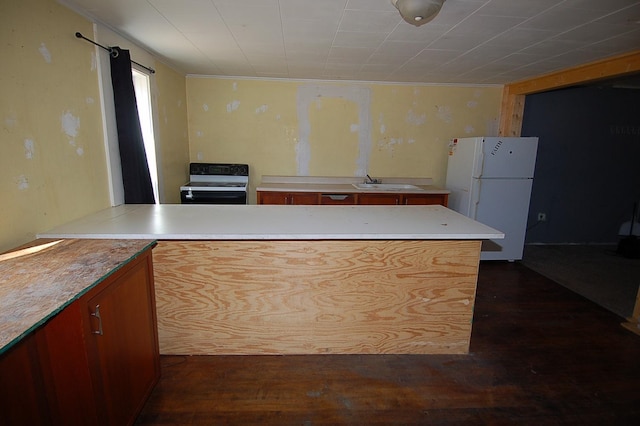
(337, 199)
(379, 199)
(425, 199)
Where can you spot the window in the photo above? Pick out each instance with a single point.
(143, 101)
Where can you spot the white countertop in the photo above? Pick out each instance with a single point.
(336, 185)
(274, 222)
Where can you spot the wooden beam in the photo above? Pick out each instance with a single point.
(512, 113)
(513, 97)
(617, 66)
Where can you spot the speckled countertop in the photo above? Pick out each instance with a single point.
(35, 285)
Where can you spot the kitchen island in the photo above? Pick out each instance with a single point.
(258, 279)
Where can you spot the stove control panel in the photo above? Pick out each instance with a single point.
(218, 169)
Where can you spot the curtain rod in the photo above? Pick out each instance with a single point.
(113, 52)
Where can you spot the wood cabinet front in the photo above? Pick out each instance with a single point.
(345, 199)
(122, 343)
(95, 362)
(379, 199)
(425, 199)
(288, 198)
(369, 198)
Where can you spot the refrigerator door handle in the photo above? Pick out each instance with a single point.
(476, 189)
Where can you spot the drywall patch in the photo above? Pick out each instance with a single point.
(415, 119)
(354, 128)
(444, 113)
(200, 156)
(80, 151)
(262, 109)
(89, 100)
(205, 107)
(308, 94)
(472, 104)
(11, 121)
(199, 133)
(70, 124)
(45, 53)
(233, 106)
(29, 148)
(390, 143)
(22, 183)
(469, 129)
(235, 86)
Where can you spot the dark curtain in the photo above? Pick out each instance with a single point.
(135, 171)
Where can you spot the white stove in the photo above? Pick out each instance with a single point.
(216, 183)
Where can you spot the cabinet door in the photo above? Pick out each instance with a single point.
(277, 197)
(45, 379)
(303, 198)
(22, 397)
(424, 199)
(266, 197)
(123, 341)
(379, 199)
(337, 199)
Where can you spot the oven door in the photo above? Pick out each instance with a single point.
(213, 197)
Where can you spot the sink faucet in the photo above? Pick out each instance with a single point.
(369, 179)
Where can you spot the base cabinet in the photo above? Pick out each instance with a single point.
(372, 198)
(95, 362)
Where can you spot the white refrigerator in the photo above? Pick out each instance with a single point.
(490, 180)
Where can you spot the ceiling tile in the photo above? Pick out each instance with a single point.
(468, 41)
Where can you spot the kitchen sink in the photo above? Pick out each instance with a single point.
(387, 186)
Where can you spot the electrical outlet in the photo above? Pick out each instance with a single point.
(542, 217)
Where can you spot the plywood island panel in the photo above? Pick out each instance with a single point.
(315, 297)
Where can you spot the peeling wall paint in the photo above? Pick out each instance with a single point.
(49, 90)
(415, 119)
(29, 148)
(444, 113)
(22, 183)
(233, 106)
(45, 53)
(70, 124)
(333, 129)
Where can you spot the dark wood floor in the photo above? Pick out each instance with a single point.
(540, 354)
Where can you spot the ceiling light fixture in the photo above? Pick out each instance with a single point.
(418, 12)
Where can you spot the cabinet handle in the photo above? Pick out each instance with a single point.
(97, 315)
(336, 197)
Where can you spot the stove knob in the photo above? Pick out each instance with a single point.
(189, 195)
